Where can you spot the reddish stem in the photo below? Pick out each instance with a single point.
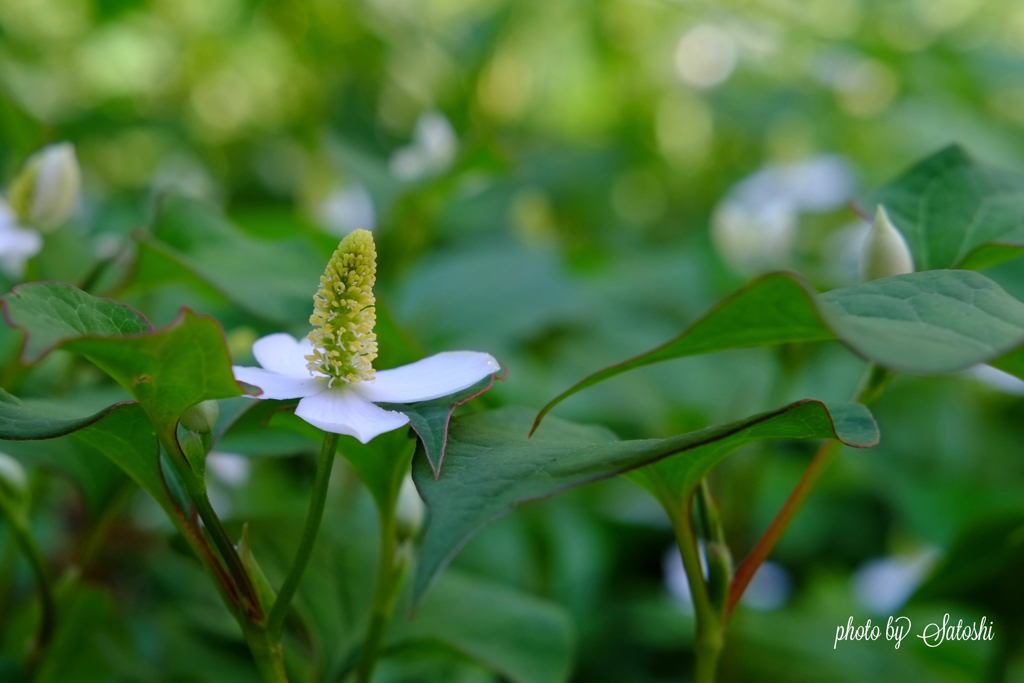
(822, 459)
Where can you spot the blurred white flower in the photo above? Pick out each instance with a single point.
(17, 244)
(885, 584)
(231, 469)
(769, 589)
(46, 191)
(705, 56)
(410, 509)
(675, 576)
(431, 151)
(347, 209)
(754, 227)
(13, 480)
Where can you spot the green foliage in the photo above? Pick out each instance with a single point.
(492, 464)
(932, 322)
(51, 313)
(522, 638)
(956, 212)
(20, 422)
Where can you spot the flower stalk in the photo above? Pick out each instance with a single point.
(317, 502)
(389, 574)
(871, 387)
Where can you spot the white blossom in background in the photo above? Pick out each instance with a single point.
(754, 228)
(231, 469)
(347, 209)
(409, 510)
(17, 244)
(185, 175)
(46, 191)
(884, 584)
(769, 589)
(675, 576)
(706, 56)
(431, 151)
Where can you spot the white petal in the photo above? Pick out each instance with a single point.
(433, 377)
(276, 385)
(284, 354)
(17, 245)
(342, 411)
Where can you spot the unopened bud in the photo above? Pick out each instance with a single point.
(885, 251)
(13, 480)
(201, 418)
(409, 510)
(45, 192)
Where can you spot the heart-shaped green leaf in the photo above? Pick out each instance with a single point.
(522, 638)
(167, 370)
(956, 212)
(21, 422)
(51, 313)
(933, 322)
(492, 465)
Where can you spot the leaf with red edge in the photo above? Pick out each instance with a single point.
(167, 370)
(51, 313)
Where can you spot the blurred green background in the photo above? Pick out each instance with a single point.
(562, 184)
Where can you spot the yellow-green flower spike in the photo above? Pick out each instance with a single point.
(344, 344)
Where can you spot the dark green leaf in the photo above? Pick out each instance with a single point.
(932, 322)
(492, 466)
(523, 638)
(19, 422)
(51, 313)
(927, 323)
(956, 212)
(166, 370)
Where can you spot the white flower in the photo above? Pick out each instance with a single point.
(17, 244)
(46, 191)
(349, 407)
(754, 228)
(332, 370)
(348, 209)
(431, 152)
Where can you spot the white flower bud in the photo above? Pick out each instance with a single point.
(201, 418)
(13, 481)
(409, 511)
(46, 191)
(885, 251)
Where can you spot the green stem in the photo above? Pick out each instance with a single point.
(19, 526)
(383, 600)
(708, 639)
(870, 388)
(317, 502)
(243, 582)
(195, 487)
(267, 654)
